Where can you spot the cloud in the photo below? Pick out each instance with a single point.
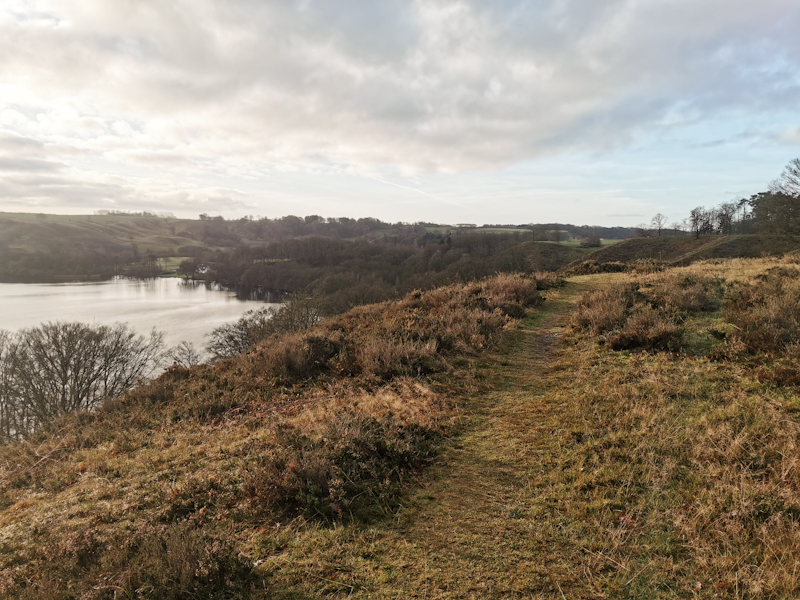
(790, 136)
(244, 86)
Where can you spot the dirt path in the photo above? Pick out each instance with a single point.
(472, 532)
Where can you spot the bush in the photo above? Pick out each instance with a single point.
(591, 241)
(766, 314)
(356, 464)
(623, 315)
(299, 312)
(173, 562)
(687, 293)
(605, 309)
(645, 328)
(590, 267)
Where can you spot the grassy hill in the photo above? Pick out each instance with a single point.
(52, 233)
(685, 249)
(41, 248)
(634, 436)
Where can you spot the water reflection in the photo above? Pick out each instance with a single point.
(183, 310)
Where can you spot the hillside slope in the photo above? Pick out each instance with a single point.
(686, 249)
(636, 436)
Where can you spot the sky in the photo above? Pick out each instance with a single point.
(501, 111)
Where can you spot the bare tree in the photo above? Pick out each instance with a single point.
(724, 215)
(58, 368)
(232, 339)
(184, 355)
(789, 181)
(698, 219)
(9, 410)
(658, 222)
(299, 312)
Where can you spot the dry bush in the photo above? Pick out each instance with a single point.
(645, 328)
(687, 293)
(170, 562)
(766, 314)
(384, 359)
(350, 460)
(591, 267)
(643, 266)
(621, 313)
(518, 289)
(605, 309)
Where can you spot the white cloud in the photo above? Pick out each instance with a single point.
(243, 87)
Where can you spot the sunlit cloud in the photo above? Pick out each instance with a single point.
(118, 98)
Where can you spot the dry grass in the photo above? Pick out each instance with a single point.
(331, 425)
(572, 471)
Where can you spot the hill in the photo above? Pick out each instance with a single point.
(46, 248)
(634, 436)
(685, 249)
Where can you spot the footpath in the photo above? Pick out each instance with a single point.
(476, 530)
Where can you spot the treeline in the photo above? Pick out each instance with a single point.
(775, 211)
(39, 248)
(585, 231)
(351, 273)
(19, 266)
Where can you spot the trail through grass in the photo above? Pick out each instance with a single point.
(475, 529)
(587, 473)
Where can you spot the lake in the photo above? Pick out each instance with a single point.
(183, 310)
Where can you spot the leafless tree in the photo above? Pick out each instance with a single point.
(724, 216)
(184, 355)
(299, 312)
(789, 181)
(658, 222)
(232, 339)
(58, 368)
(700, 221)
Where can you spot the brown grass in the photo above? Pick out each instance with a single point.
(572, 471)
(330, 425)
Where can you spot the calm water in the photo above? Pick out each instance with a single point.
(184, 311)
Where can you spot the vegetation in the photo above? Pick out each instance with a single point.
(59, 368)
(164, 491)
(678, 251)
(635, 436)
(44, 248)
(297, 313)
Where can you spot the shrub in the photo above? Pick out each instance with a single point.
(646, 265)
(605, 309)
(355, 464)
(645, 328)
(173, 562)
(622, 314)
(591, 241)
(687, 293)
(590, 267)
(766, 314)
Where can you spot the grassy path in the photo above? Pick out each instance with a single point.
(476, 531)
